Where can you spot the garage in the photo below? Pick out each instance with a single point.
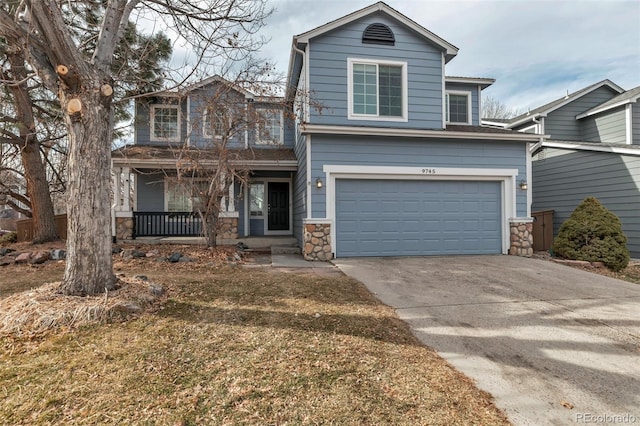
(377, 217)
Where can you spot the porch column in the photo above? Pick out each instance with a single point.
(232, 202)
(122, 214)
(229, 217)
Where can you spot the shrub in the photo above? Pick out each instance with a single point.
(593, 233)
(10, 237)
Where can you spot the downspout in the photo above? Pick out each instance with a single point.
(307, 137)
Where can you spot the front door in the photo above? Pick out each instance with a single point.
(278, 206)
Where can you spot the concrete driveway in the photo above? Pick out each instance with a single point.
(553, 344)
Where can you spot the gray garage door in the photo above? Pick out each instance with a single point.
(416, 217)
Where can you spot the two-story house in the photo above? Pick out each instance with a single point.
(178, 137)
(593, 149)
(386, 156)
(395, 162)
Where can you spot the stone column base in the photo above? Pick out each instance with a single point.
(124, 228)
(317, 242)
(228, 227)
(521, 239)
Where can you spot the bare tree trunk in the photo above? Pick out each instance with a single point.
(89, 179)
(34, 169)
(42, 213)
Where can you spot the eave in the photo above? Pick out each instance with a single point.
(320, 129)
(149, 163)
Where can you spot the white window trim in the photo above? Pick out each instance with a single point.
(507, 178)
(152, 120)
(405, 90)
(280, 141)
(469, 100)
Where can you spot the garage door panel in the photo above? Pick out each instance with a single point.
(394, 217)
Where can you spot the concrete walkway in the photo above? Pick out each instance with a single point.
(291, 263)
(553, 344)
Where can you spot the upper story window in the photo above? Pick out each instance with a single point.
(270, 129)
(214, 123)
(377, 90)
(458, 107)
(165, 123)
(378, 34)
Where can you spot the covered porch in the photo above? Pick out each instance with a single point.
(150, 203)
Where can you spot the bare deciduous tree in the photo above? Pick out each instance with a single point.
(493, 108)
(84, 87)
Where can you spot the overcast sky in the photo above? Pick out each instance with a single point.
(536, 50)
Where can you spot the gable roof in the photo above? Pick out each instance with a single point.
(450, 50)
(558, 103)
(627, 97)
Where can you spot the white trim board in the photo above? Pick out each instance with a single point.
(576, 146)
(321, 129)
(507, 177)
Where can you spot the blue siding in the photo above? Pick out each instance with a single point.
(608, 127)
(561, 124)
(300, 189)
(563, 178)
(475, 103)
(415, 153)
(328, 73)
(150, 192)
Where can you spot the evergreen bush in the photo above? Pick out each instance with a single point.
(593, 233)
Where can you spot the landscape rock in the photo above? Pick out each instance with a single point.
(58, 254)
(130, 307)
(185, 259)
(23, 257)
(5, 250)
(5, 262)
(175, 257)
(40, 257)
(156, 289)
(138, 254)
(116, 250)
(141, 277)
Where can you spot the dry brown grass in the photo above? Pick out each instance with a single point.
(235, 346)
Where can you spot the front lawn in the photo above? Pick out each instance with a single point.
(234, 346)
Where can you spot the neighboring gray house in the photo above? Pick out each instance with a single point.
(386, 156)
(593, 149)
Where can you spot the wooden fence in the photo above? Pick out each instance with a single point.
(25, 228)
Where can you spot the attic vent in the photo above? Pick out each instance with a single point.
(378, 34)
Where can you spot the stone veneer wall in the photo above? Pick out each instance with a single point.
(124, 228)
(317, 242)
(521, 239)
(228, 227)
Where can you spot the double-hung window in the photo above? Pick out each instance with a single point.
(165, 123)
(377, 90)
(270, 127)
(185, 196)
(214, 123)
(458, 107)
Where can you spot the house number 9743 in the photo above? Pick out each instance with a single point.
(428, 171)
